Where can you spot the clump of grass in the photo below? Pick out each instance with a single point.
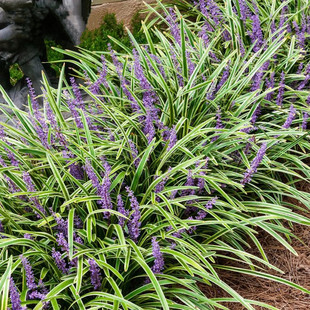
(126, 192)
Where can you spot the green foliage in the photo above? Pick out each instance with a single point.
(98, 39)
(15, 74)
(173, 101)
(53, 55)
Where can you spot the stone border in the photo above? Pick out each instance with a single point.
(99, 2)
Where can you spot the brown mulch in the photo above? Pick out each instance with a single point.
(295, 268)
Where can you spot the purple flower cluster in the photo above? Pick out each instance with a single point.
(172, 138)
(15, 297)
(149, 99)
(189, 182)
(270, 85)
(60, 262)
(306, 79)
(73, 106)
(62, 242)
(300, 32)
(211, 11)
(161, 185)
(201, 214)
(224, 78)
(10, 154)
(305, 120)
(159, 263)
(95, 276)
(39, 123)
(134, 224)
(95, 87)
(102, 190)
(244, 10)
(51, 119)
(159, 64)
(31, 188)
(31, 285)
(134, 153)
(121, 209)
(257, 34)
(219, 124)
(254, 164)
(290, 117)
(173, 25)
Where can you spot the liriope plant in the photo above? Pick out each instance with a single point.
(140, 174)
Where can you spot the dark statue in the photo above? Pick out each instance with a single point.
(24, 25)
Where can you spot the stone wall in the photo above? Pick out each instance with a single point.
(123, 9)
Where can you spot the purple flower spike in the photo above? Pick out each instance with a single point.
(290, 117)
(104, 191)
(134, 153)
(241, 46)
(95, 276)
(29, 273)
(91, 174)
(149, 129)
(28, 236)
(161, 185)
(172, 138)
(306, 80)
(256, 114)
(60, 262)
(77, 93)
(134, 224)
(300, 67)
(159, 263)
(174, 27)
(121, 209)
(300, 33)
(31, 188)
(305, 120)
(257, 34)
(211, 11)
(210, 204)
(15, 297)
(62, 242)
(270, 85)
(223, 79)
(244, 10)
(190, 181)
(203, 34)
(254, 164)
(76, 171)
(219, 124)
(32, 94)
(1, 227)
(95, 87)
(73, 105)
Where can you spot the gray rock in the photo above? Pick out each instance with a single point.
(24, 25)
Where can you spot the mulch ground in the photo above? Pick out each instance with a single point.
(295, 268)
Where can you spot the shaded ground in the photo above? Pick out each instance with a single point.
(296, 269)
